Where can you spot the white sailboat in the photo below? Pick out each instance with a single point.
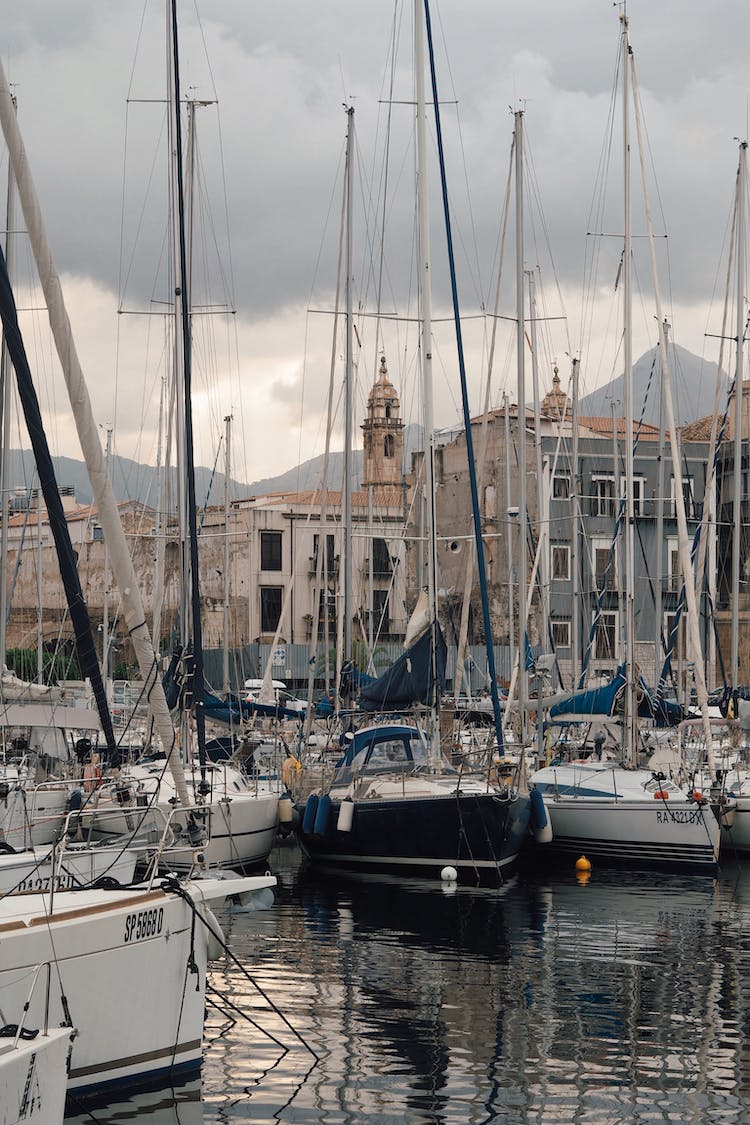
(612, 810)
(132, 966)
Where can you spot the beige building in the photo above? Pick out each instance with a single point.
(285, 554)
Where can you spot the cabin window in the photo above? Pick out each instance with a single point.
(561, 561)
(270, 550)
(560, 488)
(270, 608)
(561, 633)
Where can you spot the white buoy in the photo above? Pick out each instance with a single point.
(449, 875)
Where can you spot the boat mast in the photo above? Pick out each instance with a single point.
(346, 542)
(5, 389)
(425, 283)
(227, 497)
(629, 575)
(738, 415)
(523, 561)
(183, 341)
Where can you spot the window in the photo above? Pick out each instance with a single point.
(327, 616)
(381, 559)
(561, 633)
(381, 621)
(674, 576)
(639, 494)
(560, 488)
(689, 497)
(561, 561)
(270, 550)
(270, 608)
(605, 637)
(97, 533)
(388, 445)
(603, 496)
(605, 566)
(330, 554)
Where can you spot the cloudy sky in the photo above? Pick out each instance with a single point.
(89, 76)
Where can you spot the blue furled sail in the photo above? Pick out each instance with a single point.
(609, 699)
(234, 711)
(411, 678)
(79, 614)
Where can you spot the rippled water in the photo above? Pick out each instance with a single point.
(623, 1000)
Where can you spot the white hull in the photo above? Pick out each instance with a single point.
(626, 816)
(77, 867)
(133, 976)
(236, 827)
(33, 1078)
(33, 814)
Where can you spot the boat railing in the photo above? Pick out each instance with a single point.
(147, 829)
(46, 967)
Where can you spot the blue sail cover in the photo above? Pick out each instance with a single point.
(410, 679)
(233, 710)
(609, 699)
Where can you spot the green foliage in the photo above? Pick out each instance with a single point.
(56, 665)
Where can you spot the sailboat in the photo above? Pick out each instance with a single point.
(394, 804)
(598, 804)
(231, 819)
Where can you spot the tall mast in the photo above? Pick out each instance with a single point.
(5, 387)
(426, 342)
(575, 506)
(738, 415)
(183, 345)
(346, 540)
(629, 575)
(523, 562)
(660, 486)
(227, 561)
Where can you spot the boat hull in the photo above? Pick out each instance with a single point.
(133, 970)
(33, 1078)
(480, 835)
(657, 834)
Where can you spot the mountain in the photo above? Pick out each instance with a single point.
(134, 481)
(693, 383)
(130, 480)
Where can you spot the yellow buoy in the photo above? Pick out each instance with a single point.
(583, 864)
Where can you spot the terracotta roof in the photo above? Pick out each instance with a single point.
(313, 498)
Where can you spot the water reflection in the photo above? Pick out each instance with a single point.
(621, 1000)
(179, 1105)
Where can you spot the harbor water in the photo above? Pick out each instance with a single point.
(624, 997)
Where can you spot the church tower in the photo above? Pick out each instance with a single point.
(383, 435)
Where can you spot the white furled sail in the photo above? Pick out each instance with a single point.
(88, 434)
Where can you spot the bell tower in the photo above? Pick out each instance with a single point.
(383, 435)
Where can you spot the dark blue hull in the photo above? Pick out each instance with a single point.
(480, 835)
